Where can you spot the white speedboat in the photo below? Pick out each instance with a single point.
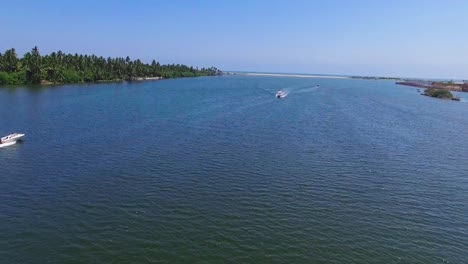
(280, 94)
(12, 138)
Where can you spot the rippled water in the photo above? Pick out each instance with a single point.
(216, 170)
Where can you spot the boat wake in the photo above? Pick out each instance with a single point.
(286, 91)
(299, 90)
(307, 89)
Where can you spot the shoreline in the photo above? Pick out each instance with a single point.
(136, 79)
(293, 75)
(435, 85)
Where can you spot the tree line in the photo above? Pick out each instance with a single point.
(59, 67)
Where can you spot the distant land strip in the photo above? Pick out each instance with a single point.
(294, 75)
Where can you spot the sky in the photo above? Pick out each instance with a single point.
(413, 38)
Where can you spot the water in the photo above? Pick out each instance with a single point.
(216, 170)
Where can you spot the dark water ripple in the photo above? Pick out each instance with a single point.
(215, 170)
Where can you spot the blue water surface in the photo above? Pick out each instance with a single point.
(216, 170)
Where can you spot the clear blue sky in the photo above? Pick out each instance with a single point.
(398, 38)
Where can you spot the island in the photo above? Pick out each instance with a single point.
(60, 68)
(440, 93)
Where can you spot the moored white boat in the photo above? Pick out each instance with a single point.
(12, 138)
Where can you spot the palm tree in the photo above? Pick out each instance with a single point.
(11, 61)
(33, 63)
(1, 63)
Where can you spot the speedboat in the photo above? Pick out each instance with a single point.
(280, 94)
(12, 138)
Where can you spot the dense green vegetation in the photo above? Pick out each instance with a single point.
(439, 93)
(59, 67)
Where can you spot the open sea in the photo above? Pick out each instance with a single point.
(217, 170)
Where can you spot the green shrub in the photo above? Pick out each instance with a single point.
(8, 78)
(71, 76)
(438, 93)
(188, 74)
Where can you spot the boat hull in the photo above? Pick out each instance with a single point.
(12, 138)
(2, 145)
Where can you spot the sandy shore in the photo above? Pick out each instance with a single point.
(295, 75)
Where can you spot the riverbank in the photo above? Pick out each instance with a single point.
(148, 78)
(138, 79)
